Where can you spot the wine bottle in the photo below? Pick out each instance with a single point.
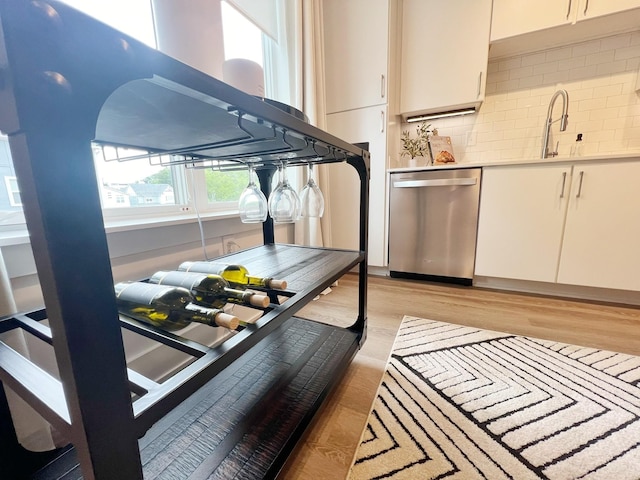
(210, 289)
(167, 307)
(234, 274)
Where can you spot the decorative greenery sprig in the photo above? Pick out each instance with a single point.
(418, 146)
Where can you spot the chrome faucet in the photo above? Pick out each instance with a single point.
(563, 121)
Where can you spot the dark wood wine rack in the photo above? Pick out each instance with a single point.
(67, 84)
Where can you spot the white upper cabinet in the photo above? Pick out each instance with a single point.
(515, 17)
(445, 47)
(356, 53)
(597, 8)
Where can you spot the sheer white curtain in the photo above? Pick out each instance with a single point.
(310, 98)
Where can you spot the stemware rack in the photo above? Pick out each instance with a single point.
(69, 85)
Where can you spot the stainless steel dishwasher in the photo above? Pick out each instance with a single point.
(433, 222)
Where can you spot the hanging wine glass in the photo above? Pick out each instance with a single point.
(311, 198)
(284, 203)
(252, 204)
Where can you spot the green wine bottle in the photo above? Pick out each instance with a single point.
(209, 289)
(167, 307)
(234, 274)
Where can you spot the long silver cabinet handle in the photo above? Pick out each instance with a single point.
(564, 181)
(381, 121)
(580, 184)
(569, 10)
(382, 86)
(438, 182)
(586, 7)
(479, 83)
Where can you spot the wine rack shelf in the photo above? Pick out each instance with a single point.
(244, 418)
(68, 86)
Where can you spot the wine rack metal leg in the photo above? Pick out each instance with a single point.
(362, 167)
(265, 175)
(86, 331)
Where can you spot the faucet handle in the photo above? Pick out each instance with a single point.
(552, 154)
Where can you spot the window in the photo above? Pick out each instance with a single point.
(133, 17)
(267, 46)
(137, 188)
(242, 39)
(152, 187)
(13, 191)
(10, 201)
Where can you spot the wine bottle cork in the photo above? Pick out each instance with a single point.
(261, 301)
(278, 284)
(228, 321)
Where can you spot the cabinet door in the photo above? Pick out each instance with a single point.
(515, 17)
(598, 8)
(522, 211)
(356, 52)
(445, 48)
(363, 125)
(602, 233)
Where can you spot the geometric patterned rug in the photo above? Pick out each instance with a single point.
(464, 403)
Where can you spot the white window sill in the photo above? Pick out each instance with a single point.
(21, 235)
(123, 225)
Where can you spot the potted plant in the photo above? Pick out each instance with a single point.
(418, 146)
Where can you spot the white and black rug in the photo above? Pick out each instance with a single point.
(463, 403)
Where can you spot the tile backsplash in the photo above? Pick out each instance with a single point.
(602, 80)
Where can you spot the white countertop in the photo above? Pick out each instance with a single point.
(592, 158)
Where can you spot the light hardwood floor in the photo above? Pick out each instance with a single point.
(327, 449)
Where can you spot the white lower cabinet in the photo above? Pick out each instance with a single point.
(522, 211)
(602, 233)
(355, 126)
(575, 224)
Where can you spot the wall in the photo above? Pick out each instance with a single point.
(600, 77)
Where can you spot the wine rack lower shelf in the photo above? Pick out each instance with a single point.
(246, 420)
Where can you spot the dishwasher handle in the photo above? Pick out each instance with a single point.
(436, 182)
